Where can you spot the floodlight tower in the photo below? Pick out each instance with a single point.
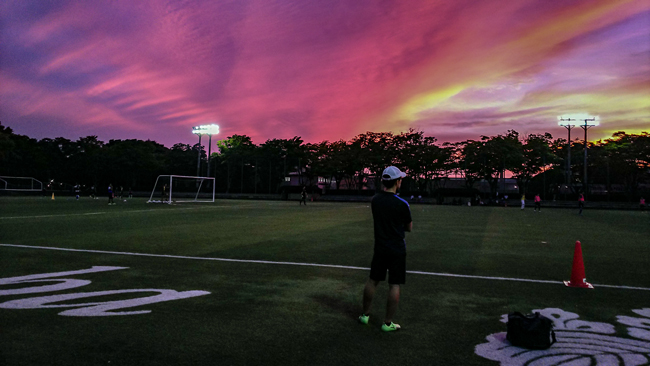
(209, 130)
(585, 127)
(566, 123)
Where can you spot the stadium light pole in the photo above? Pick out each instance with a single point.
(566, 123)
(585, 127)
(209, 130)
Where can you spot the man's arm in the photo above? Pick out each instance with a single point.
(409, 227)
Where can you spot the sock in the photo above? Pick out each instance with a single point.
(388, 324)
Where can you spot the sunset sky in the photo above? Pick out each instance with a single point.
(322, 70)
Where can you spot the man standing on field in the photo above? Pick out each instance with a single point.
(165, 194)
(303, 196)
(581, 203)
(110, 195)
(392, 218)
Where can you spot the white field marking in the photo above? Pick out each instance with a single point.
(130, 211)
(45, 216)
(64, 284)
(309, 265)
(189, 208)
(579, 342)
(183, 257)
(105, 212)
(100, 308)
(87, 309)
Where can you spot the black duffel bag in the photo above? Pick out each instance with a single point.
(533, 331)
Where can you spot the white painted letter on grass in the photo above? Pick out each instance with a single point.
(579, 343)
(64, 283)
(100, 308)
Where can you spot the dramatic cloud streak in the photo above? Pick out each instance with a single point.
(321, 70)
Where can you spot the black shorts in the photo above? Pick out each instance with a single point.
(395, 264)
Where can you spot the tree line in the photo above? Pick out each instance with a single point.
(537, 161)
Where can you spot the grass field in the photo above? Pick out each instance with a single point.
(263, 313)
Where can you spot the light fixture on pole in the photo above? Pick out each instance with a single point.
(566, 123)
(209, 130)
(585, 127)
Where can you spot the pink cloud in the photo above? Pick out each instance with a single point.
(320, 70)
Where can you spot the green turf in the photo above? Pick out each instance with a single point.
(296, 315)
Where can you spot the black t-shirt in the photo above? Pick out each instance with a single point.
(391, 214)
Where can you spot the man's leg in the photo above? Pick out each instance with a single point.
(393, 301)
(368, 294)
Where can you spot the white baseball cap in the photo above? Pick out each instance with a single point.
(392, 173)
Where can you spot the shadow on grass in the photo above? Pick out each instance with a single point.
(351, 311)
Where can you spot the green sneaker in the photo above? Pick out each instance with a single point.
(390, 328)
(363, 319)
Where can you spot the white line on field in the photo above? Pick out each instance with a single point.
(42, 216)
(307, 265)
(128, 211)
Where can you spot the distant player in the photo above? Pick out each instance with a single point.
(392, 218)
(303, 196)
(642, 204)
(165, 194)
(538, 204)
(77, 191)
(581, 203)
(121, 192)
(110, 195)
(523, 201)
(130, 193)
(93, 192)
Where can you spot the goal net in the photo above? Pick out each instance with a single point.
(181, 188)
(25, 184)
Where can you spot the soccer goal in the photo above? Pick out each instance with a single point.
(25, 184)
(182, 188)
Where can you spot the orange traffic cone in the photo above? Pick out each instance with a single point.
(578, 278)
(52, 195)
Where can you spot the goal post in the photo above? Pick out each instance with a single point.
(182, 188)
(24, 184)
